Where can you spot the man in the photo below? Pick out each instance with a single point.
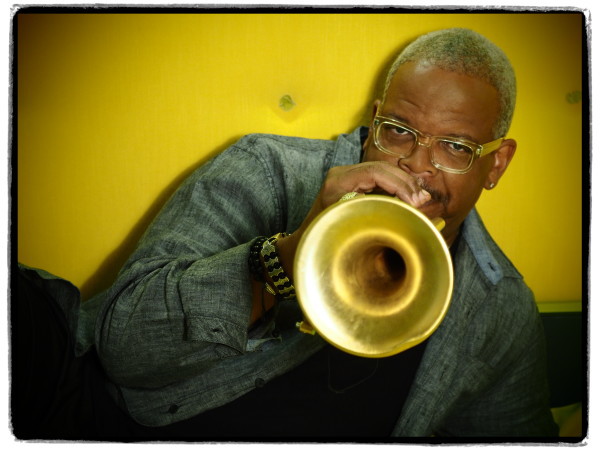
(197, 334)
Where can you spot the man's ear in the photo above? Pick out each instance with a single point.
(502, 158)
(367, 142)
(376, 104)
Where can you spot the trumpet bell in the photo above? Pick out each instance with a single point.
(373, 276)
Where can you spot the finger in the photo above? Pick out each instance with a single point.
(392, 180)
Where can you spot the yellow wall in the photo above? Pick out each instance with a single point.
(114, 110)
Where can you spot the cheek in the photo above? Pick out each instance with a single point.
(463, 196)
(371, 153)
(467, 188)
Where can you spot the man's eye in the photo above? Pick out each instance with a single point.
(397, 130)
(457, 147)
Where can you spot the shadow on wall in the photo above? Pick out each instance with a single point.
(108, 270)
(365, 116)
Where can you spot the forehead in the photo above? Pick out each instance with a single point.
(442, 101)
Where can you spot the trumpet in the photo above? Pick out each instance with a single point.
(373, 276)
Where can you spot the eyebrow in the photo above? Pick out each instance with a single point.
(465, 137)
(396, 117)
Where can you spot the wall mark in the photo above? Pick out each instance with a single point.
(287, 102)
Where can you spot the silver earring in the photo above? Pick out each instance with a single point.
(492, 185)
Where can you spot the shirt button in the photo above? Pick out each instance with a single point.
(259, 382)
(173, 409)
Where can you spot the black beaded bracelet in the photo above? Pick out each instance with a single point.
(255, 264)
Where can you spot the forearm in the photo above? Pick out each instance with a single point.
(263, 289)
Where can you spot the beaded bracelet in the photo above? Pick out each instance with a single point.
(254, 262)
(281, 283)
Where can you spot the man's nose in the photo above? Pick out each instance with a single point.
(418, 161)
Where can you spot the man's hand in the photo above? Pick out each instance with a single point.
(371, 177)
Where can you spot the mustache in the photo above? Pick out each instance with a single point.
(436, 196)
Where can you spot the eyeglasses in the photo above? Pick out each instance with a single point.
(450, 154)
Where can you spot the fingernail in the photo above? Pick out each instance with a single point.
(424, 196)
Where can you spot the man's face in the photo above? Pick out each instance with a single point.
(441, 103)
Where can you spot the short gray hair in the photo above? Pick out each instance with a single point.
(466, 52)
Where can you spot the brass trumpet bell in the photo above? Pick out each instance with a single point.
(373, 276)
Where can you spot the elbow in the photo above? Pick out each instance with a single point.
(152, 353)
(140, 362)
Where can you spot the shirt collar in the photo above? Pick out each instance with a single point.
(348, 149)
(477, 238)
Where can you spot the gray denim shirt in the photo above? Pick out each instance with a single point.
(172, 331)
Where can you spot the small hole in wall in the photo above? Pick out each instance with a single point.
(573, 97)
(287, 102)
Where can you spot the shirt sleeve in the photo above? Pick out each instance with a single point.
(183, 299)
